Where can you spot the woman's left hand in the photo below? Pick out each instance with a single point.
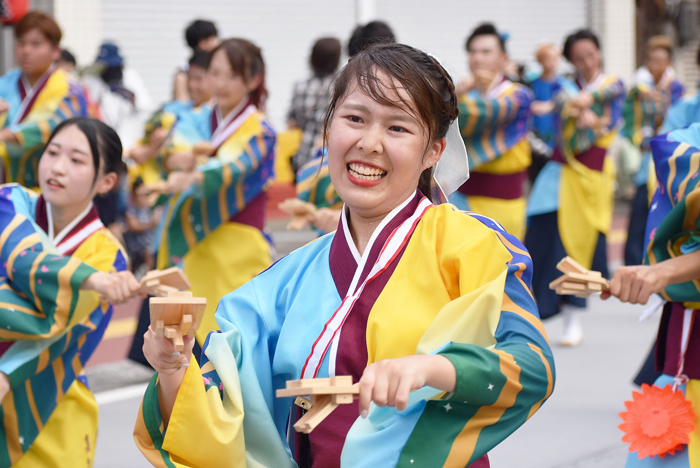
(389, 382)
(634, 284)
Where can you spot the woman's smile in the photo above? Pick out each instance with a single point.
(365, 175)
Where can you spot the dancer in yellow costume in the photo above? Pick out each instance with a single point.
(222, 161)
(34, 98)
(427, 307)
(61, 272)
(494, 120)
(571, 203)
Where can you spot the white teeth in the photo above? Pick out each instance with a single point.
(364, 172)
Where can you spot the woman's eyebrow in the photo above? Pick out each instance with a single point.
(358, 107)
(402, 116)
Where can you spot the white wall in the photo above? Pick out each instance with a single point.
(285, 31)
(443, 28)
(150, 32)
(81, 25)
(615, 23)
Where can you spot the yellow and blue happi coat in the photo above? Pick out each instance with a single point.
(673, 229)
(60, 98)
(673, 226)
(494, 129)
(582, 195)
(202, 228)
(314, 183)
(472, 305)
(241, 170)
(494, 126)
(643, 115)
(52, 328)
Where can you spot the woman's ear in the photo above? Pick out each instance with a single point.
(106, 183)
(435, 153)
(254, 82)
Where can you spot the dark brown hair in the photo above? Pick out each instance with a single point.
(41, 21)
(325, 56)
(431, 92)
(246, 60)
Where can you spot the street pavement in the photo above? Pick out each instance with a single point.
(576, 427)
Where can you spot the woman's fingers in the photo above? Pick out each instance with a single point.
(403, 390)
(366, 390)
(380, 392)
(635, 289)
(393, 381)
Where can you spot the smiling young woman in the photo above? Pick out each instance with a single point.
(428, 308)
(61, 272)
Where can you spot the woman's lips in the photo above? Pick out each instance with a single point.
(365, 175)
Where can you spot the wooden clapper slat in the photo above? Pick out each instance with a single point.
(175, 314)
(162, 282)
(325, 394)
(577, 280)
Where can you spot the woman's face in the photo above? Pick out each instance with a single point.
(377, 152)
(228, 87)
(585, 56)
(67, 170)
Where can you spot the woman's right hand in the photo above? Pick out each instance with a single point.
(161, 355)
(114, 288)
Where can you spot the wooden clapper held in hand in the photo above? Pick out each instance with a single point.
(175, 313)
(326, 395)
(577, 280)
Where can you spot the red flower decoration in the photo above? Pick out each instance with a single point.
(658, 421)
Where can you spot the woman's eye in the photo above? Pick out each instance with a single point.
(77, 161)
(354, 118)
(396, 128)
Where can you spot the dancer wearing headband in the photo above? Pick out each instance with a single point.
(495, 118)
(427, 307)
(571, 203)
(221, 162)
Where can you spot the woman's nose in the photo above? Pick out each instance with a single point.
(371, 141)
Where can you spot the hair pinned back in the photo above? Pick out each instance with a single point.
(105, 145)
(246, 60)
(431, 92)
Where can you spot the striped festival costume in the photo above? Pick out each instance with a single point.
(49, 328)
(494, 127)
(673, 229)
(571, 202)
(33, 114)
(431, 280)
(215, 229)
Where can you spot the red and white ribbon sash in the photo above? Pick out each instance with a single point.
(230, 124)
(70, 243)
(396, 241)
(69, 239)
